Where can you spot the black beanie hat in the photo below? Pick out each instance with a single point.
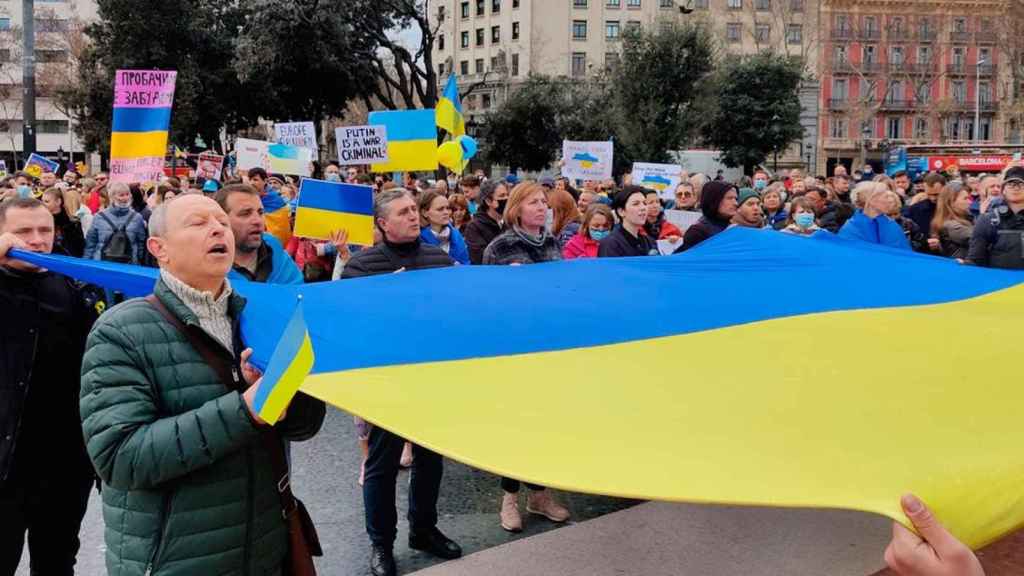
(622, 196)
(711, 196)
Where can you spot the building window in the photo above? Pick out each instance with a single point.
(668, 3)
(579, 29)
(867, 129)
(923, 94)
(579, 3)
(480, 7)
(762, 5)
(734, 4)
(479, 36)
(868, 55)
(495, 34)
(633, 26)
(52, 126)
(51, 25)
(494, 63)
(762, 32)
(611, 29)
(840, 90)
(515, 4)
(895, 93)
(611, 60)
(515, 64)
(632, 3)
(464, 67)
(924, 55)
(984, 55)
(959, 91)
(479, 65)
(985, 93)
(921, 131)
(839, 56)
(796, 5)
(465, 9)
(795, 34)
(868, 90)
(892, 129)
(896, 55)
(579, 63)
(985, 129)
(959, 24)
(486, 101)
(440, 13)
(440, 69)
(613, 3)
(515, 30)
(495, 6)
(465, 40)
(440, 42)
(700, 4)
(837, 127)
(48, 56)
(732, 32)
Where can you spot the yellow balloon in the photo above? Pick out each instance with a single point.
(449, 155)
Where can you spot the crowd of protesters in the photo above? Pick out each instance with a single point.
(168, 441)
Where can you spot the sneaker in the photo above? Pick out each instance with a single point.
(511, 520)
(542, 504)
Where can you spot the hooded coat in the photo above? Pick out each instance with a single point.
(710, 223)
(879, 230)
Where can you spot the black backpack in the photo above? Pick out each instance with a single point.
(118, 247)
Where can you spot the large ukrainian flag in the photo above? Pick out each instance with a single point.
(757, 369)
(412, 140)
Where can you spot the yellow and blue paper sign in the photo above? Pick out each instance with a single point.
(412, 140)
(327, 207)
(142, 117)
(449, 109)
(36, 165)
(289, 365)
(847, 395)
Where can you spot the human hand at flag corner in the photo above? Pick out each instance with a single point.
(250, 373)
(933, 551)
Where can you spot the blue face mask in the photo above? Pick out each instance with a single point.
(333, 177)
(760, 184)
(804, 220)
(599, 234)
(25, 191)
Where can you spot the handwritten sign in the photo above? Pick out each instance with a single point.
(210, 166)
(298, 134)
(144, 88)
(662, 178)
(587, 160)
(362, 145)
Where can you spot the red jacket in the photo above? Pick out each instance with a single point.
(580, 247)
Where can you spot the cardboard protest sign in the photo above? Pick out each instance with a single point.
(142, 118)
(682, 219)
(362, 145)
(298, 134)
(210, 166)
(587, 160)
(36, 165)
(662, 178)
(274, 158)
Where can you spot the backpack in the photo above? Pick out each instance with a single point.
(118, 247)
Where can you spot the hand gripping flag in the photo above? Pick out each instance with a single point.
(449, 109)
(756, 369)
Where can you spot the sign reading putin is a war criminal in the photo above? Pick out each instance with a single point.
(362, 145)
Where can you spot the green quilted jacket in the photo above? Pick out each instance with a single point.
(187, 484)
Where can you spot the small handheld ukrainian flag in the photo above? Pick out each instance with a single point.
(449, 110)
(288, 367)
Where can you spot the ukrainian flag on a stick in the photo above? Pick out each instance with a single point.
(412, 140)
(449, 110)
(326, 207)
(291, 362)
(142, 118)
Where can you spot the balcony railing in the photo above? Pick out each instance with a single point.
(900, 35)
(986, 37)
(986, 106)
(838, 104)
(927, 35)
(842, 67)
(842, 33)
(869, 67)
(897, 105)
(986, 70)
(869, 34)
(956, 69)
(960, 37)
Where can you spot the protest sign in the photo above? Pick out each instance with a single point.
(3, 169)
(326, 207)
(587, 160)
(210, 166)
(362, 145)
(274, 158)
(142, 117)
(667, 247)
(682, 219)
(36, 165)
(298, 134)
(662, 178)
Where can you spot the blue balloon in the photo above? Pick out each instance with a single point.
(468, 147)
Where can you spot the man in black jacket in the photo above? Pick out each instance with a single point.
(45, 473)
(486, 224)
(398, 219)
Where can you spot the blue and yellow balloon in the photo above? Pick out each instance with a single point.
(456, 154)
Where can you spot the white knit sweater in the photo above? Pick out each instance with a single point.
(212, 313)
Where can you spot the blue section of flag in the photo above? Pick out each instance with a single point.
(288, 345)
(451, 93)
(141, 119)
(404, 125)
(336, 197)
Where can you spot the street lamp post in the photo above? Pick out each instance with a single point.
(866, 133)
(977, 98)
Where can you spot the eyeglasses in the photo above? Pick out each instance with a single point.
(1015, 185)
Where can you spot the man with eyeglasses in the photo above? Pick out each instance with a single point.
(998, 239)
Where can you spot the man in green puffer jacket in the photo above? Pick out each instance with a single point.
(188, 485)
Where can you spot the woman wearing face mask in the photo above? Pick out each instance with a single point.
(656, 226)
(801, 219)
(525, 241)
(952, 223)
(437, 229)
(775, 215)
(486, 223)
(67, 229)
(718, 203)
(597, 225)
(629, 238)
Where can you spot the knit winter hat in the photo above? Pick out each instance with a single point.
(746, 194)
